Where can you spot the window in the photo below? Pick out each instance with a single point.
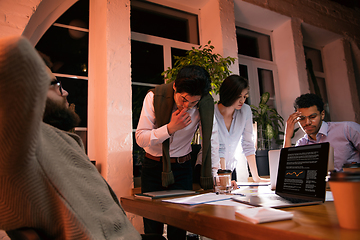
(256, 64)
(253, 44)
(316, 76)
(158, 34)
(65, 44)
(155, 20)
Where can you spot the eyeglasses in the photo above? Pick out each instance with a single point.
(57, 83)
(191, 104)
(311, 117)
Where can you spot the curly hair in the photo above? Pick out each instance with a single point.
(308, 100)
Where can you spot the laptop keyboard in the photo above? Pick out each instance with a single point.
(296, 200)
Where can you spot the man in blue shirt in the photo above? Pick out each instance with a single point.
(344, 137)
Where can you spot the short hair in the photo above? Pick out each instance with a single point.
(194, 80)
(231, 88)
(308, 100)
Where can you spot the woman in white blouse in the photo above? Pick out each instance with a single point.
(234, 119)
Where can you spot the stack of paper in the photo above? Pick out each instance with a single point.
(199, 199)
(262, 215)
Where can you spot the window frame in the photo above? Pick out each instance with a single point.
(253, 64)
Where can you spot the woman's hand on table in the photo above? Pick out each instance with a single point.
(259, 179)
(234, 185)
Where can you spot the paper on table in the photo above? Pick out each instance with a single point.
(262, 215)
(199, 199)
(253, 183)
(329, 197)
(230, 202)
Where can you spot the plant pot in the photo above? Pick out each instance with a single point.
(262, 162)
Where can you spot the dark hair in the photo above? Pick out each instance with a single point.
(231, 88)
(193, 80)
(308, 100)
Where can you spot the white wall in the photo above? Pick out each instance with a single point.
(14, 16)
(217, 23)
(110, 112)
(338, 69)
(290, 61)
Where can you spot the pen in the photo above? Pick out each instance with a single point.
(240, 194)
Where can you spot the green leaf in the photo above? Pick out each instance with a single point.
(265, 98)
(269, 131)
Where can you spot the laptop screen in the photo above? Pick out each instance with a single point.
(302, 170)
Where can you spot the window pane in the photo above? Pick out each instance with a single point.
(163, 22)
(147, 62)
(253, 44)
(177, 52)
(68, 52)
(266, 84)
(315, 56)
(244, 73)
(138, 158)
(322, 87)
(78, 11)
(138, 95)
(78, 91)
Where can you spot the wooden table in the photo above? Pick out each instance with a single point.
(220, 222)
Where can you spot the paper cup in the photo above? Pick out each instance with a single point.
(345, 187)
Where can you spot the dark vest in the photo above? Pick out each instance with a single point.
(163, 105)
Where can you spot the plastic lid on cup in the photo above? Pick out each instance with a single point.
(223, 171)
(351, 165)
(344, 176)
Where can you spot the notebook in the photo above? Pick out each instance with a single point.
(163, 194)
(301, 178)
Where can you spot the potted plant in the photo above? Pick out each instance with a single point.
(215, 64)
(269, 125)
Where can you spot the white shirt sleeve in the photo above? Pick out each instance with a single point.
(248, 144)
(146, 133)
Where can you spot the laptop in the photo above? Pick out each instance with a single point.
(274, 156)
(301, 178)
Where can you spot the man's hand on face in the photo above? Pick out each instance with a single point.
(289, 128)
(179, 120)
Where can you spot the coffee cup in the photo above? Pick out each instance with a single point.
(345, 187)
(223, 181)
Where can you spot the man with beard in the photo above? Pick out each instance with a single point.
(344, 137)
(49, 189)
(57, 112)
